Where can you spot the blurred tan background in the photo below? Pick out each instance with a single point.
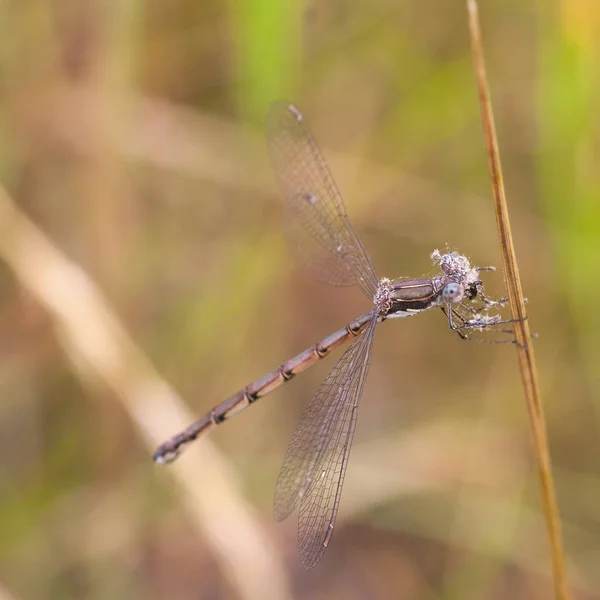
(140, 233)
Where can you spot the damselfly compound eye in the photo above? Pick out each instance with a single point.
(453, 292)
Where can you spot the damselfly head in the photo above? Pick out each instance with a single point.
(464, 281)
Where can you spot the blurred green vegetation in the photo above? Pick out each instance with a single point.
(132, 135)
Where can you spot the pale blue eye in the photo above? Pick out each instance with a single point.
(452, 291)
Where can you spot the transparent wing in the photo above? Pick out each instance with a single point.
(315, 462)
(320, 234)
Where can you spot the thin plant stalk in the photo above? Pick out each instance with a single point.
(525, 352)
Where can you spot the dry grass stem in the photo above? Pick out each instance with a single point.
(526, 357)
(102, 352)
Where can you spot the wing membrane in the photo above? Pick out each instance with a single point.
(320, 234)
(315, 463)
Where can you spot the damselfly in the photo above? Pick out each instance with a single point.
(325, 242)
